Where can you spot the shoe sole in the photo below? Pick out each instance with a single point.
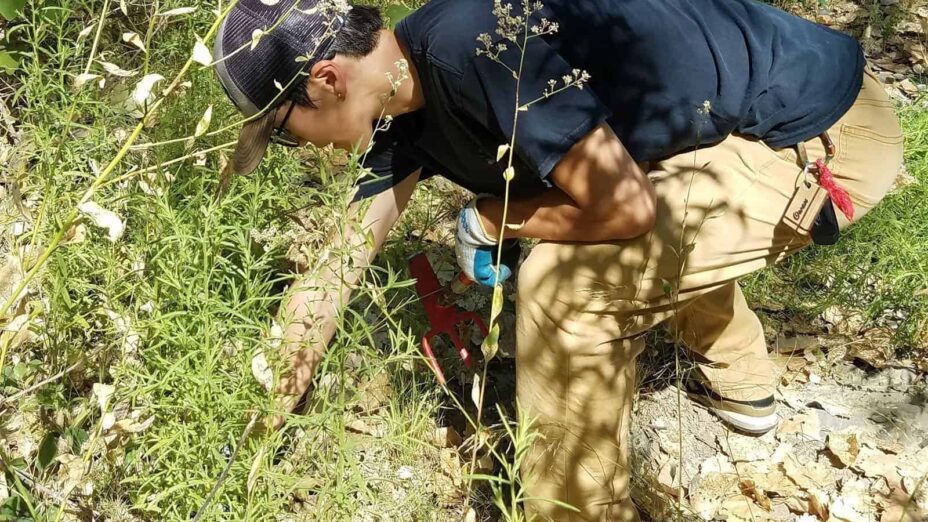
(747, 423)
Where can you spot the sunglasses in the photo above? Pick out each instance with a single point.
(281, 135)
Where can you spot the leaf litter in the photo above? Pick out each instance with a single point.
(848, 448)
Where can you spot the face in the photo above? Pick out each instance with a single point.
(337, 119)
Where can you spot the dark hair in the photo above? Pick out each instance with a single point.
(356, 39)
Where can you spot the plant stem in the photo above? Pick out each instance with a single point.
(225, 471)
(499, 246)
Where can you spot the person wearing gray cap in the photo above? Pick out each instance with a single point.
(687, 144)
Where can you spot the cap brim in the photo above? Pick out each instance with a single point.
(252, 143)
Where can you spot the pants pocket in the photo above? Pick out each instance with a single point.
(868, 160)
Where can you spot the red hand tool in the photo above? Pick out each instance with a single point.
(443, 318)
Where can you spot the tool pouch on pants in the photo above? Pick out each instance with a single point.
(810, 211)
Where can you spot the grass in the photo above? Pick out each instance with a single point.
(172, 313)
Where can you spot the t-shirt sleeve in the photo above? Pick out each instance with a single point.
(551, 125)
(391, 160)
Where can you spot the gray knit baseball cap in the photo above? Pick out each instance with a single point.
(261, 49)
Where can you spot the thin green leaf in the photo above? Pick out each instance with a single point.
(497, 304)
(490, 344)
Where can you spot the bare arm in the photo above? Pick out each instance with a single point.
(308, 314)
(600, 194)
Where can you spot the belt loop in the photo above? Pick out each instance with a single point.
(803, 156)
(830, 148)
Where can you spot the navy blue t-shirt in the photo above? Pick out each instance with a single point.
(666, 75)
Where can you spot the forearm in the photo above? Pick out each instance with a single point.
(554, 216)
(308, 315)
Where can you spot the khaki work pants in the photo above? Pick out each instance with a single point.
(581, 308)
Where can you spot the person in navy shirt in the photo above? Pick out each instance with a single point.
(671, 147)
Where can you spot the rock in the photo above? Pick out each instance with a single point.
(908, 86)
(446, 437)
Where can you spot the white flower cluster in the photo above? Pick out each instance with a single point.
(576, 78)
(544, 27)
(402, 68)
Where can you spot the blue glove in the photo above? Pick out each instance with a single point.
(476, 251)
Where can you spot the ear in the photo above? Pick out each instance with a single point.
(328, 76)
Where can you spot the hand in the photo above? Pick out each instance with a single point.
(476, 251)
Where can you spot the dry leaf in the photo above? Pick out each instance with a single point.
(115, 70)
(107, 421)
(11, 275)
(261, 370)
(131, 340)
(738, 508)
(668, 478)
(806, 425)
(255, 470)
(750, 490)
(142, 91)
(716, 481)
(123, 7)
(102, 392)
(70, 472)
(203, 124)
(777, 482)
(103, 218)
(808, 476)
(818, 504)
(845, 446)
(875, 463)
(178, 11)
(475, 390)
(130, 426)
(81, 79)
(76, 234)
(854, 503)
(17, 332)
(740, 448)
(362, 427)
(85, 31)
(903, 513)
(201, 53)
(133, 38)
(470, 515)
